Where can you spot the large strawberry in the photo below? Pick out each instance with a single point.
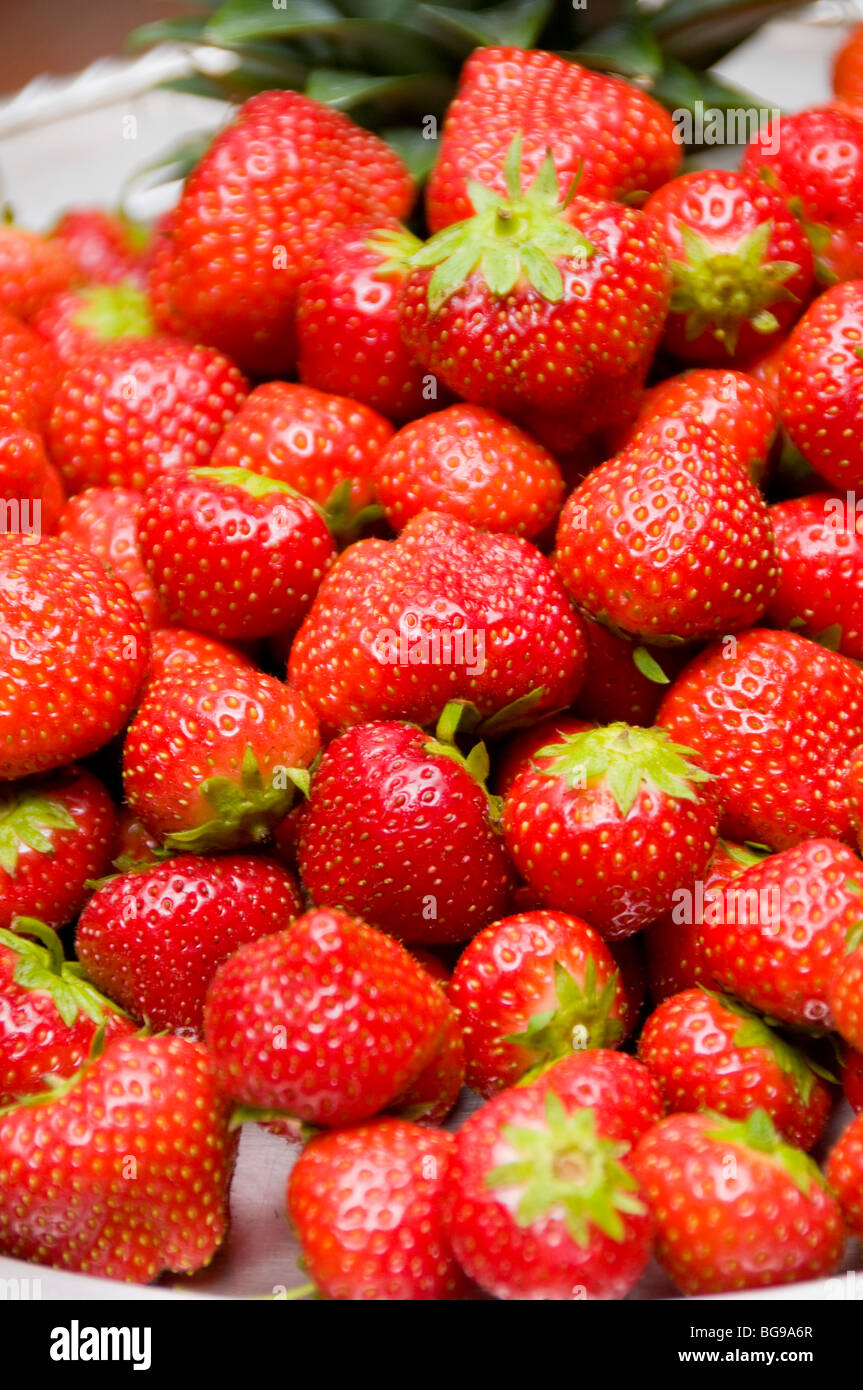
(252, 215)
(775, 718)
(148, 1190)
(73, 650)
(444, 612)
(617, 137)
(821, 386)
(820, 554)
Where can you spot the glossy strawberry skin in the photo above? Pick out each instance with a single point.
(147, 1101)
(284, 173)
(398, 833)
(820, 556)
(104, 520)
(29, 482)
(846, 999)
(29, 373)
(152, 940)
(436, 1091)
(845, 1175)
(618, 1087)
(63, 619)
(775, 718)
(615, 137)
(821, 386)
(135, 408)
(32, 268)
(852, 1079)
(273, 1045)
(173, 648)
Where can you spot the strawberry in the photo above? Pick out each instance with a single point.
(32, 268)
(399, 830)
(821, 386)
(854, 793)
(539, 1204)
(147, 1192)
(211, 756)
(845, 992)
(616, 1087)
(174, 648)
(735, 1207)
(436, 1090)
(624, 681)
(133, 844)
(530, 989)
(152, 939)
(78, 320)
(820, 557)
(29, 373)
(775, 718)
(848, 67)
(366, 1204)
(522, 750)
(542, 306)
(324, 446)
(707, 1052)
(612, 826)
(232, 553)
(329, 1021)
(852, 1079)
(777, 936)
(50, 1013)
(106, 247)
(56, 833)
(104, 520)
(616, 136)
(471, 463)
(348, 321)
(135, 408)
(741, 263)
(31, 491)
(73, 649)
(668, 545)
(844, 1173)
(285, 173)
(444, 612)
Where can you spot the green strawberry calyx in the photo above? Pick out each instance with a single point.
(114, 311)
(42, 967)
(522, 235)
(718, 291)
(344, 519)
(629, 759)
(23, 823)
(246, 810)
(854, 934)
(565, 1165)
(395, 246)
(257, 485)
(455, 715)
(755, 1031)
(758, 1132)
(581, 1019)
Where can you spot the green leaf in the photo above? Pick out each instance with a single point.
(516, 24)
(627, 47)
(379, 97)
(382, 46)
(649, 666)
(175, 163)
(24, 820)
(501, 266)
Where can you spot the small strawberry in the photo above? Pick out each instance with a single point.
(147, 1192)
(31, 491)
(616, 1087)
(610, 825)
(50, 1013)
(624, 681)
(152, 939)
(400, 830)
(32, 268)
(56, 833)
(775, 718)
(73, 650)
(471, 463)
(394, 1174)
(106, 247)
(852, 1079)
(104, 521)
(820, 557)
(78, 320)
(211, 757)
(707, 1052)
(821, 385)
(329, 1021)
(540, 1202)
(735, 1207)
(844, 1173)
(252, 215)
(530, 989)
(134, 845)
(135, 408)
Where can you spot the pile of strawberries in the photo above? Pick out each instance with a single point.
(429, 663)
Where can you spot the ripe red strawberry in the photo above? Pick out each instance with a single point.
(29, 374)
(530, 989)
(522, 750)
(400, 830)
(73, 650)
(232, 553)
(32, 268)
(104, 520)
(845, 994)
(254, 212)
(324, 446)
(624, 681)
(56, 832)
(329, 1021)
(78, 320)
(545, 309)
(848, 67)
(616, 1087)
(148, 1192)
(152, 939)
(610, 828)
(741, 262)
(821, 386)
(844, 1173)
(172, 649)
(135, 408)
(31, 491)
(852, 1078)
(668, 545)
(708, 1052)
(211, 756)
(106, 247)
(775, 718)
(134, 845)
(735, 1207)
(444, 612)
(434, 1094)
(779, 935)
(49, 1012)
(619, 139)
(539, 1204)
(366, 1204)
(471, 463)
(348, 322)
(821, 571)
